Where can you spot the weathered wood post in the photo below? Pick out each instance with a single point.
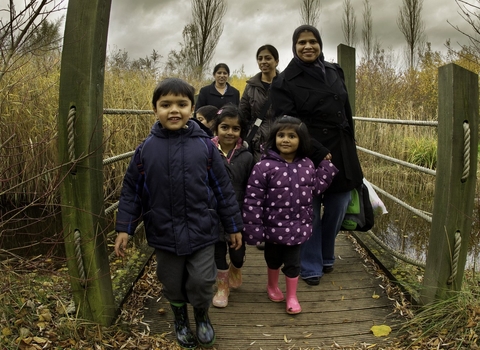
(346, 60)
(80, 149)
(454, 184)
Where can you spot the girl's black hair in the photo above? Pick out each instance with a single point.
(270, 48)
(221, 65)
(173, 86)
(287, 122)
(208, 111)
(231, 111)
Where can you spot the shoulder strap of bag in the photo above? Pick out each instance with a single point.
(210, 154)
(260, 119)
(138, 159)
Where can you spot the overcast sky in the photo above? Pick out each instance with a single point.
(143, 25)
(140, 26)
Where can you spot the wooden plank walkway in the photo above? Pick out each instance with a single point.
(340, 310)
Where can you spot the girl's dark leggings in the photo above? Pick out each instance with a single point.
(237, 257)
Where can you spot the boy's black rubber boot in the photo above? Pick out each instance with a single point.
(205, 332)
(185, 337)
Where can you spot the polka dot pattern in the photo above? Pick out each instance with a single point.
(278, 200)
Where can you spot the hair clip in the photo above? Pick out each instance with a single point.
(220, 111)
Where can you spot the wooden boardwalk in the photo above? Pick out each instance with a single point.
(340, 310)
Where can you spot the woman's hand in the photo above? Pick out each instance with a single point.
(236, 240)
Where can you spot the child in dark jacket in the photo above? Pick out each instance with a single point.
(278, 208)
(206, 115)
(178, 183)
(229, 127)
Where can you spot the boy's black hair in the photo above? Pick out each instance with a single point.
(173, 86)
(230, 111)
(208, 111)
(300, 128)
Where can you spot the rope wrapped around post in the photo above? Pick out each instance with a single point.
(71, 136)
(456, 255)
(466, 151)
(78, 256)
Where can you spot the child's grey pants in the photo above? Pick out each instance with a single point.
(188, 278)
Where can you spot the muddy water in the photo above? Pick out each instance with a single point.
(407, 233)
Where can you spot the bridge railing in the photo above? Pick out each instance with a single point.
(455, 176)
(454, 269)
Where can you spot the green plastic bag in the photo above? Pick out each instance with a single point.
(359, 215)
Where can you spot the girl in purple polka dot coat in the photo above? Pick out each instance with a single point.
(278, 207)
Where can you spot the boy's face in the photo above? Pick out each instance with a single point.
(173, 111)
(202, 119)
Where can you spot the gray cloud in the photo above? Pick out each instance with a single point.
(143, 25)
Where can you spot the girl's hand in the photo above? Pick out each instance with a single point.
(328, 157)
(121, 243)
(236, 240)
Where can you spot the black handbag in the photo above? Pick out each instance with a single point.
(359, 215)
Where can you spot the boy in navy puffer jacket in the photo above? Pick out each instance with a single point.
(177, 184)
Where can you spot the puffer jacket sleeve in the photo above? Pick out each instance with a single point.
(253, 206)
(227, 205)
(130, 204)
(325, 173)
(245, 104)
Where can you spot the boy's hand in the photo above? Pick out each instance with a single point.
(121, 243)
(236, 240)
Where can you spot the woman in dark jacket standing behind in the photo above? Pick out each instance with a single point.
(255, 101)
(314, 91)
(220, 92)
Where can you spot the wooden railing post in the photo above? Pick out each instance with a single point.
(346, 60)
(80, 153)
(455, 182)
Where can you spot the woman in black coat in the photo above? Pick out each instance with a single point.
(220, 92)
(314, 91)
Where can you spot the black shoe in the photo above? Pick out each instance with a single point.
(205, 332)
(185, 337)
(312, 281)
(327, 269)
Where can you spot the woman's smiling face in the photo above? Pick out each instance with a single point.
(307, 47)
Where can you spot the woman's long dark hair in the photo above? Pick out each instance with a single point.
(288, 122)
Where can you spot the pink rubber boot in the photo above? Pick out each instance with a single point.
(293, 307)
(274, 293)
(221, 297)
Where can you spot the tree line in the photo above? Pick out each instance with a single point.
(28, 30)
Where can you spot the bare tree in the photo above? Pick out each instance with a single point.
(207, 29)
(180, 63)
(471, 15)
(27, 30)
(310, 12)
(200, 38)
(367, 31)
(412, 27)
(349, 23)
